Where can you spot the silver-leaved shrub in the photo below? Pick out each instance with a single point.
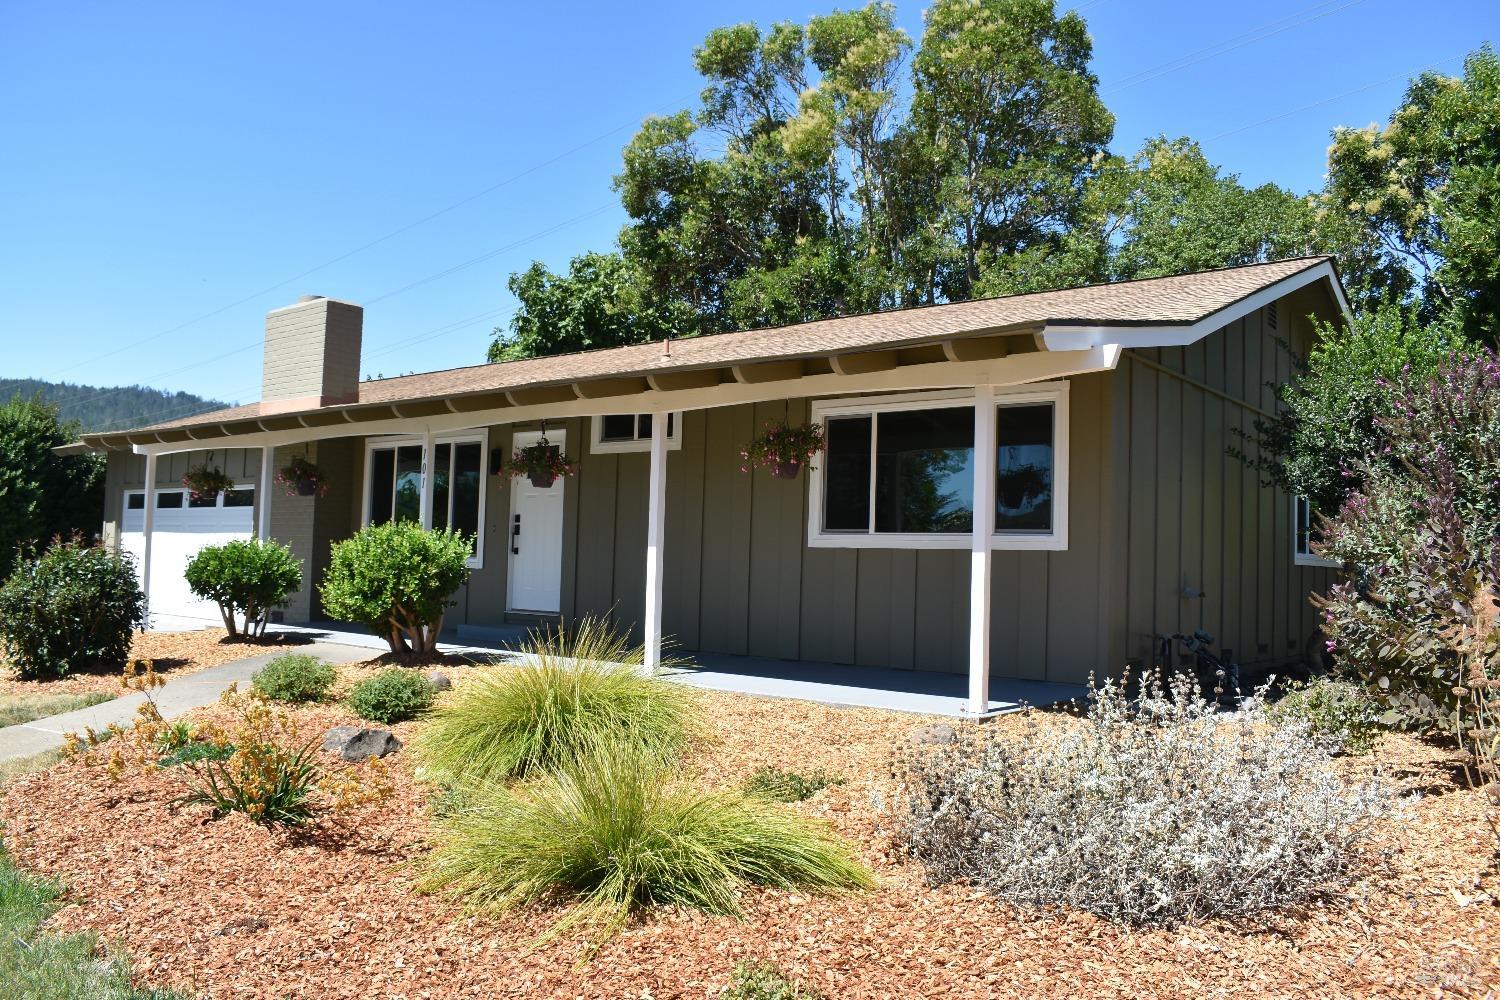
(1152, 810)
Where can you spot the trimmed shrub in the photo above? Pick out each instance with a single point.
(391, 696)
(295, 677)
(788, 786)
(1343, 713)
(245, 577)
(72, 608)
(575, 695)
(764, 981)
(1152, 811)
(397, 578)
(616, 836)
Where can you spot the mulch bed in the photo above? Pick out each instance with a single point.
(175, 654)
(227, 909)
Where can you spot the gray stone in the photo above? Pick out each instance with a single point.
(356, 743)
(439, 681)
(939, 734)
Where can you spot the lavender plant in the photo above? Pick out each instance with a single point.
(1149, 812)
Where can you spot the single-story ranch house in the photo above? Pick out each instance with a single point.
(1033, 486)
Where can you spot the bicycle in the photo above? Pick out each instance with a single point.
(1218, 676)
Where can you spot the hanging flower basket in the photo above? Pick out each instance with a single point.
(783, 449)
(541, 463)
(302, 478)
(205, 482)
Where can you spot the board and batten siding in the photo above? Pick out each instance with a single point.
(1200, 542)
(741, 579)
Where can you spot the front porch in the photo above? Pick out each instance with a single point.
(917, 691)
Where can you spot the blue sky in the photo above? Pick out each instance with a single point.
(168, 167)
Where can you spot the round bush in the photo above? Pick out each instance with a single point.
(248, 577)
(72, 608)
(294, 677)
(391, 696)
(396, 578)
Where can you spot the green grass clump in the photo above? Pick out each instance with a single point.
(788, 786)
(41, 966)
(613, 835)
(29, 707)
(390, 696)
(195, 752)
(295, 677)
(764, 981)
(574, 696)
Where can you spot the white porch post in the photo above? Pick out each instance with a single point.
(263, 499)
(148, 526)
(429, 470)
(981, 556)
(656, 493)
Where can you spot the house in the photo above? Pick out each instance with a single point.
(1033, 486)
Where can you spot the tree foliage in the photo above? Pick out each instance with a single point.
(1427, 186)
(245, 576)
(72, 608)
(42, 494)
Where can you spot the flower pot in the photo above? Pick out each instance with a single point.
(785, 470)
(306, 487)
(542, 480)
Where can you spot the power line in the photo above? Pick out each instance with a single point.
(1306, 16)
(1330, 100)
(357, 250)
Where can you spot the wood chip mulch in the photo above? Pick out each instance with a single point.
(176, 654)
(226, 909)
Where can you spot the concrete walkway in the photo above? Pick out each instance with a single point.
(174, 698)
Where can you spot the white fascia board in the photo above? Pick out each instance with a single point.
(1077, 337)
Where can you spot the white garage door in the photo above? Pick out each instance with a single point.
(182, 527)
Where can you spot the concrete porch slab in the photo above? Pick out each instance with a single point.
(917, 691)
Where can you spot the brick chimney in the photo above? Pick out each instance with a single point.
(312, 355)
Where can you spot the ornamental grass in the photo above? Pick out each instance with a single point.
(612, 835)
(577, 694)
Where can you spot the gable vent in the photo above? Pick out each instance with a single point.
(1271, 315)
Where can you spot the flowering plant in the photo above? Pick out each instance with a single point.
(783, 449)
(302, 478)
(542, 463)
(204, 482)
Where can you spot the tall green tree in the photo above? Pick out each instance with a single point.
(834, 168)
(42, 494)
(1427, 185)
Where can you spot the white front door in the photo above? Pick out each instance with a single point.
(536, 535)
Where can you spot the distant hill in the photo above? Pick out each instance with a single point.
(100, 408)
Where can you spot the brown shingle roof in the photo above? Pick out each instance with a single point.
(1171, 301)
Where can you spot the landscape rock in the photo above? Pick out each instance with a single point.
(355, 743)
(939, 734)
(439, 681)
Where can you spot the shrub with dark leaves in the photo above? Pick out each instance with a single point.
(72, 608)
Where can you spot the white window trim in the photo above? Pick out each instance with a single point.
(480, 437)
(598, 446)
(1300, 558)
(126, 494)
(1056, 540)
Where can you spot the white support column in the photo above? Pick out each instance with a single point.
(263, 493)
(981, 556)
(429, 469)
(148, 526)
(656, 494)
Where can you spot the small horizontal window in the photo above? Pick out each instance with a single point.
(241, 496)
(169, 501)
(135, 501)
(629, 432)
